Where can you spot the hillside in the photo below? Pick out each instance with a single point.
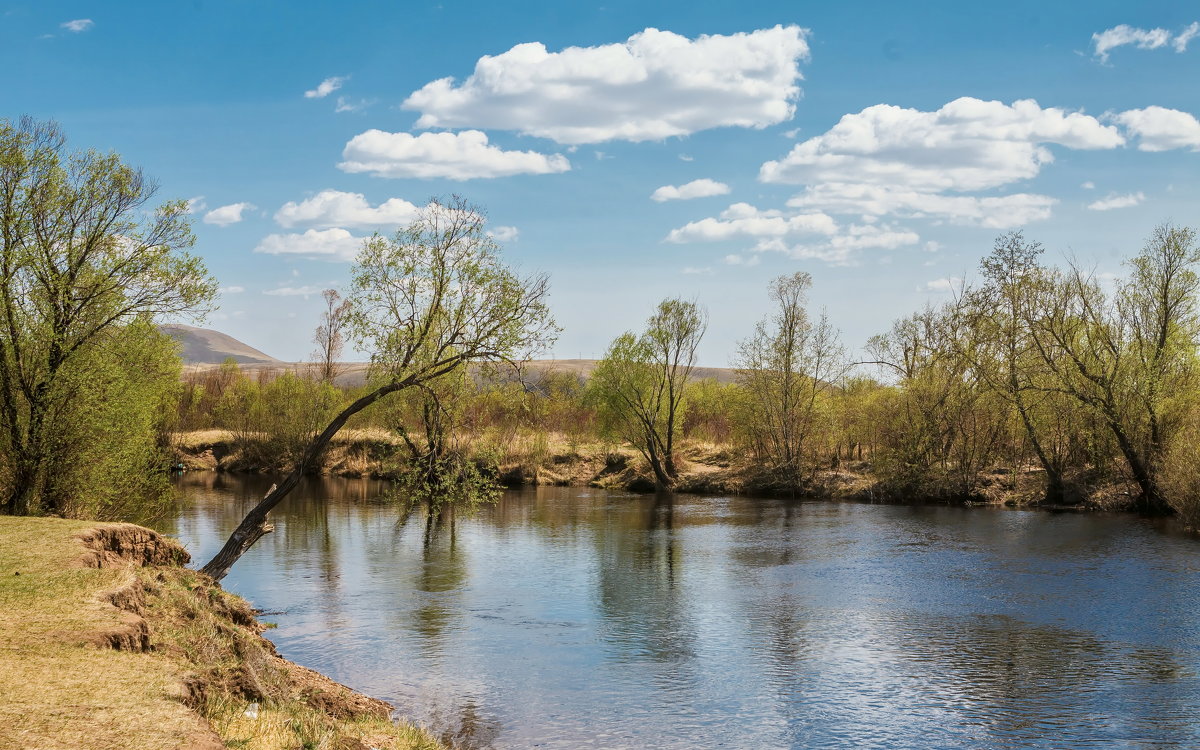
(203, 346)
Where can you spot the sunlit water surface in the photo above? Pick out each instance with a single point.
(569, 618)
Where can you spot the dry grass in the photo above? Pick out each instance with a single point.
(59, 690)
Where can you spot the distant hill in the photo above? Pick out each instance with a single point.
(201, 346)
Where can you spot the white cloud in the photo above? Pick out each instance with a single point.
(741, 220)
(741, 260)
(504, 234)
(226, 215)
(968, 144)
(333, 208)
(1161, 129)
(1119, 36)
(1124, 34)
(295, 291)
(326, 87)
(457, 156)
(1180, 42)
(873, 201)
(231, 289)
(944, 285)
(196, 205)
(334, 244)
(1117, 201)
(797, 235)
(78, 25)
(654, 85)
(702, 188)
(1089, 185)
(345, 105)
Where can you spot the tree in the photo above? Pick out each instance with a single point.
(1005, 355)
(329, 336)
(784, 367)
(81, 258)
(424, 303)
(1126, 356)
(640, 384)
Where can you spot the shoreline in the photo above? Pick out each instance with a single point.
(109, 642)
(705, 469)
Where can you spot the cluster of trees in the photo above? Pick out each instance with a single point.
(1038, 370)
(1082, 379)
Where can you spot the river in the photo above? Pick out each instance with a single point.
(572, 618)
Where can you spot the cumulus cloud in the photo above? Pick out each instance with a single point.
(231, 289)
(196, 205)
(742, 220)
(1117, 201)
(654, 85)
(294, 291)
(967, 145)
(874, 201)
(1161, 129)
(504, 234)
(78, 25)
(333, 208)
(1089, 185)
(457, 156)
(334, 244)
(1124, 34)
(326, 87)
(226, 215)
(702, 188)
(798, 235)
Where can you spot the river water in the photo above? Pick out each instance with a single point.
(573, 618)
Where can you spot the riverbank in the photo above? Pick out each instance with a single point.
(555, 460)
(106, 641)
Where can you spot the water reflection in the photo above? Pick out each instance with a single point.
(578, 618)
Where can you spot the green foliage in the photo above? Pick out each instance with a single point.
(107, 457)
(786, 369)
(639, 388)
(85, 266)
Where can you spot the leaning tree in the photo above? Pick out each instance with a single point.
(424, 303)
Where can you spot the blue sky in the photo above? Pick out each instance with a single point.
(879, 146)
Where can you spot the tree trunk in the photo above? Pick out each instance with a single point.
(254, 526)
(1151, 499)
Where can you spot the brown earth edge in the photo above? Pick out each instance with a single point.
(705, 469)
(162, 608)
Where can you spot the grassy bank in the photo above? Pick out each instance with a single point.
(106, 642)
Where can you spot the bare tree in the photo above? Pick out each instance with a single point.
(329, 336)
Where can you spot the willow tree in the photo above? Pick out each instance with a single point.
(1129, 356)
(639, 386)
(784, 367)
(1005, 355)
(424, 303)
(86, 263)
